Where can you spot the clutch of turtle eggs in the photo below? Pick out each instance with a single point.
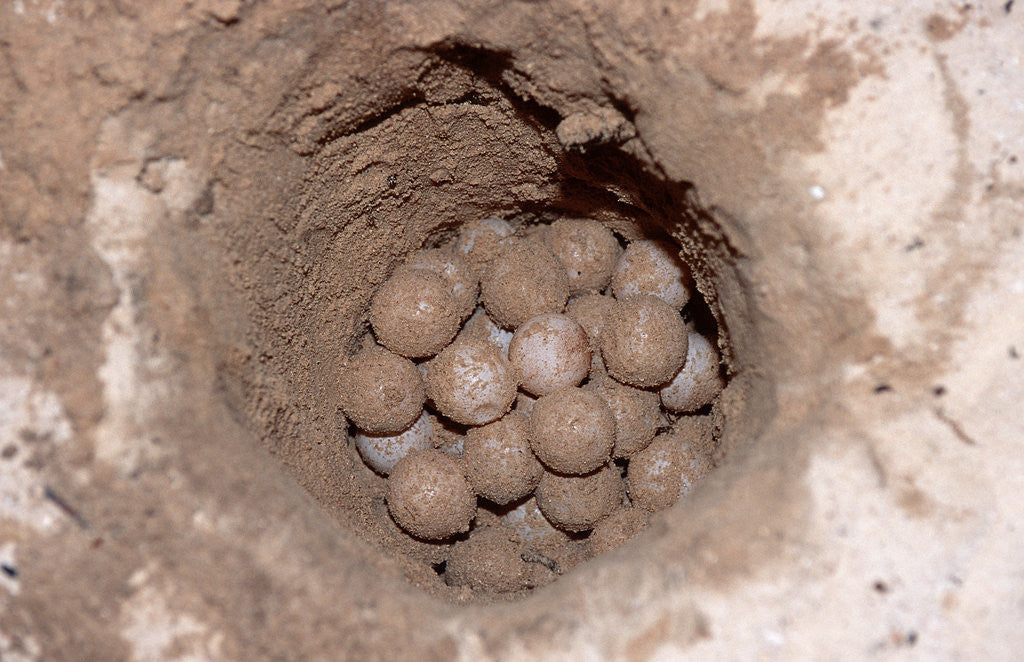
(542, 378)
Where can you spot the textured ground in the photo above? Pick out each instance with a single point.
(171, 297)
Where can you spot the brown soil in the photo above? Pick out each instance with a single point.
(323, 159)
(199, 200)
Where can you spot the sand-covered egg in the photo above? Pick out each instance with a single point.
(522, 281)
(572, 431)
(577, 503)
(429, 497)
(481, 327)
(698, 382)
(414, 313)
(499, 463)
(455, 271)
(449, 436)
(643, 341)
(381, 392)
(398, 539)
(550, 551)
(653, 267)
(381, 452)
(667, 469)
(524, 403)
(617, 529)
(549, 352)
(636, 412)
(589, 311)
(479, 240)
(588, 251)
(489, 561)
(529, 523)
(471, 383)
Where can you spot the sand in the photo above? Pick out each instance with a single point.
(198, 202)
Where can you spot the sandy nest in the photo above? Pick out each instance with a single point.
(198, 200)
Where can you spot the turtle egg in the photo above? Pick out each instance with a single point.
(698, 382)
(549, 352)
(617, 529)
(498, 461)
(479, 240)
(577, 503)
(414, 313)
(382, 451)
(481, 327)
(666, 470)
(429, 497)
(653, 267)
(572, 431)
(551, 551)
(523, 280)
(381, 392)
(489, 560)
(588, 251)
(471, 383)
(643, 341)
(636, 414)
(589, 311)
(455, 271)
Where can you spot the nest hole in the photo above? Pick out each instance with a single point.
(455, 143)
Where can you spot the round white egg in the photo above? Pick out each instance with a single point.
(653, 267)
(549, 352)
(381, 452)
(698, 382)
